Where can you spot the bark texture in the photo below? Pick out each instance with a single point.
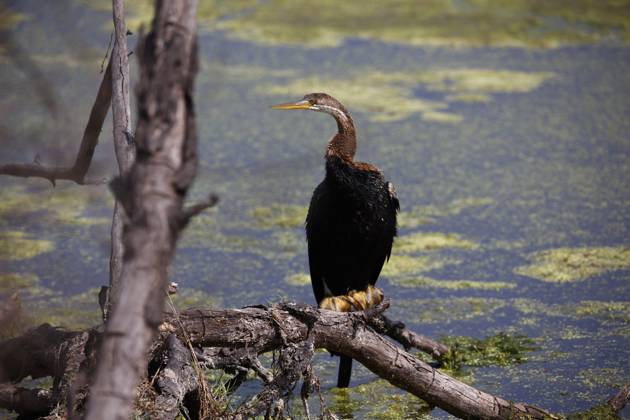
(231, 340)
(152, 194)
(124, 146)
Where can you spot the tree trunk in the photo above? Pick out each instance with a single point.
(152, 195)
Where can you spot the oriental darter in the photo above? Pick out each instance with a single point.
(351, 222)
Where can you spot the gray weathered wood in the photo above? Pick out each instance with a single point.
(242, 333)
(268, 328)
(152, 194)
(123, 143)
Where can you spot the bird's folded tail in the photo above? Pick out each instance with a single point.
(345, 371)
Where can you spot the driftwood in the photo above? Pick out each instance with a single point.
(232, 340)
(152, 194)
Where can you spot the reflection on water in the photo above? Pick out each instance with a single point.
(511, 166)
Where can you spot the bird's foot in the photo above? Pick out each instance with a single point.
(367, 298)
(354, 300)
(341, 303)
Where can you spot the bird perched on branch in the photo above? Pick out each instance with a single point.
(351, 222)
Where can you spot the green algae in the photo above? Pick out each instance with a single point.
(65, 205)
(298, 279)
(599, 412)
(599, 309)
(501, 349)
(288, 243)
(375, 400)
(422, 215)
(27, 285)
(75, 312)
(186, 298)
(600, 377)
(604, 310)
(280, 215)
(482, 81)
(402, 265)
(12, 282)
(422, 281)
(140, 12)
(473, 23)
(564, 265)
(443, 311)
(387, 97)
(16, 245)
(426, 241)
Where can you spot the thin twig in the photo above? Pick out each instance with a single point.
(204, 392)
(396, 330)
(86, 150)
(619, 401)
(193, 210)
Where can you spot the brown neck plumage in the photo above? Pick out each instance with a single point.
(344, 143)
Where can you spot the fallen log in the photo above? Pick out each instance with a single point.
(232, 340)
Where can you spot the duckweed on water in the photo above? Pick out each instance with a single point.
(400, 265)
(390, 96)
(298, 279)
(518, 23)
(443, 311)
(473, 23)
(279, 215)
(422, 215)
(424, 241)
(606, 310)
(140, 12)
(60, 205)
(16, 245)
(370, 401)
(596, 378)
(572, 264)
(73, 312)
(422, 281)
(600, 412)
(191, 298)
(12, 282)
(501, 349)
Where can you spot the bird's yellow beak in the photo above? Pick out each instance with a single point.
(293, 105)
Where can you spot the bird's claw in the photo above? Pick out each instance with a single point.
(354, 300)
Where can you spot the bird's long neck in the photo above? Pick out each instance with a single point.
(344, 143)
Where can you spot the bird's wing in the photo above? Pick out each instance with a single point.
(393, 196)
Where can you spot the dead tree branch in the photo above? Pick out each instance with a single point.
(43, 358)
(397, 331)
(232, 339)
(265, 329)
(152, 194)
(33, 402)
(78, 171)
(619, 401)
(123, 145)
(175, 379)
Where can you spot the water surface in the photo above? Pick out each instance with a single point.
(510, 158)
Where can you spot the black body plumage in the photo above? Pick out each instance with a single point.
(350, 228)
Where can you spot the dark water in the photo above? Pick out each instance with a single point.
(497, 153)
